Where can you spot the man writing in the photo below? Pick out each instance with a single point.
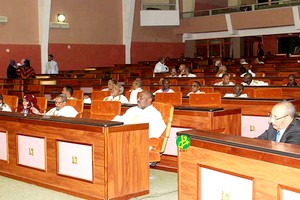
(144, 112)
(283, 126)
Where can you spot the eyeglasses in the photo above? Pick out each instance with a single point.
(276, 118)
(194, 86)
(58, 102)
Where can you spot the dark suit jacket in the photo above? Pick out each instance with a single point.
(291, 134)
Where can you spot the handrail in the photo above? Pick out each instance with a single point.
(241, 8)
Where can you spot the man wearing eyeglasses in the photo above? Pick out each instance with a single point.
(195, 88)
(283, 126)
(61, 109)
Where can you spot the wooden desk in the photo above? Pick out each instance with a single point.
(271, 168)
(91, 159)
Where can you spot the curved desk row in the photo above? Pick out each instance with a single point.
(218, 166)
(87, 158)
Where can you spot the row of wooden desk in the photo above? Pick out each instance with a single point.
(88, 158)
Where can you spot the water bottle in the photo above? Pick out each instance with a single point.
(25, 111)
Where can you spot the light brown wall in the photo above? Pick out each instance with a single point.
(150, 43)
(20, 34)
(91, 22)
(22, 26)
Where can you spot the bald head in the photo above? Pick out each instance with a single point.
(145, 99)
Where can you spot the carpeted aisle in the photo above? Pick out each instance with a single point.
(163, 186)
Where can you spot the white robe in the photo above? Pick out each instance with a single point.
(151, 115)
(66, 111)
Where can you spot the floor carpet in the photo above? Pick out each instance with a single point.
(163, 186)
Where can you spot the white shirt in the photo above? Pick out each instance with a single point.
(51, 67)
(161, 91)
(5, 108)
(190, 75)
(160, 67)
(255, 83)
(232, 95)
(151, 115)
(66, 111)
(221, 83)
(133, 95)
(198, 92)
(120, 98)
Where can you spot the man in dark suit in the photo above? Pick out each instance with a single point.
(283, 126)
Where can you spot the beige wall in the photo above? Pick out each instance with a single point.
(91, 22)
(22, 26)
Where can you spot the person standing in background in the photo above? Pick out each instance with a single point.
(12, 70)
(51, 66)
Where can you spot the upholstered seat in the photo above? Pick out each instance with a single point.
(42, 103)
(158, 145)
(205, 100)
(169, 98)
(77, 104)
(99, 95)
(12, 101)
(267, 93)
(105, 110)
(78, 94)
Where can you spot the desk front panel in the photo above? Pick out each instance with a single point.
(112, 168)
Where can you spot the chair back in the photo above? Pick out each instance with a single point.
(99, 95)
(169, 98)
(37, 90)
(267, 93)
(205, 100)
(159, 144)
(12, 101)
(207, 89)
(286, 74)
(105, 110)
(77, 104)
(175, 88)
(200, 80)
(3, 91)
(249, 91)
(78, 94)
(42, 102)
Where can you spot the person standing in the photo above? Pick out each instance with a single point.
(26, 71)
(51, 66)
(12, 70)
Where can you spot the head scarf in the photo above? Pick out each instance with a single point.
(32, 102)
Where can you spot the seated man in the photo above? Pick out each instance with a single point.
(195, 88)
(173, 73)
(291, 81)
(117, 94)
(144, 112)
(61, 109)
(225, 80)
(136, 88)
(185, 71)
(248, 81)
(68, 91)
(237, 92)
(110, 84)
(283, 126)
(166, 87)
